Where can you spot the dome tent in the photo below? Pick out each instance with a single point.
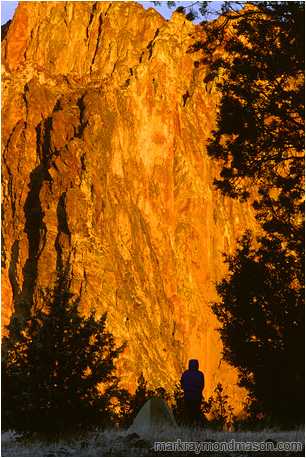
(154, 413)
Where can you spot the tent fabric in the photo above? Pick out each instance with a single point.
(154, 413)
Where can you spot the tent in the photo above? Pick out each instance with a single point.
(154, 413)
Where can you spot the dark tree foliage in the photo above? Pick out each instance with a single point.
(257, 55)
(259, 142)
(216, 413)
(58, 376)
(219, 411)
(141, 396)
(177, 406)
(262, 327)
(130, 404)
(206, 10)
(259, 138)
(192, 10)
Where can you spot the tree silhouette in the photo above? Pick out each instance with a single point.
(257, 54)
(259, 141)
(259, 138)
(130, 404)
(262, 327)
(58, 376)
(220, 412)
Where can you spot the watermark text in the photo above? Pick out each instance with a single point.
(230, 446)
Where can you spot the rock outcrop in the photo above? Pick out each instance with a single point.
(105, 119)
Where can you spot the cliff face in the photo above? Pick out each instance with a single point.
(105, 120)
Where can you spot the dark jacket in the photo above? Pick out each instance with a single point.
(192, 382)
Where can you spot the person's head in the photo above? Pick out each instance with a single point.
(193, 364)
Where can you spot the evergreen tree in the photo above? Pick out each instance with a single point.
(261, 312)
(259, 141)
(58, 375)
(141, 396)
(256, 57)
(130, 404)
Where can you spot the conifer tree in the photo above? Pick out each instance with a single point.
(255, 53)
(259, 142)
(59, 374)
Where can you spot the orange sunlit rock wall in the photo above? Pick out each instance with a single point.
(105, 120)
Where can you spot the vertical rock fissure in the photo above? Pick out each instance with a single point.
(83, 124)
(150, 45)
(13, 269)
(91, 18)
(185, 98)
(35, 227)
(35, 230)
(98, 41)
(62, 227)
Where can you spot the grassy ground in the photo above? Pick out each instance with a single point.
(127, 443)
